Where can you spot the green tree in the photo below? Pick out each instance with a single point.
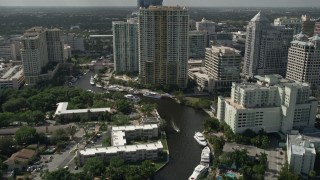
(286, 174)
(240, 157)
(7, 145)
(265, 142)
(312, 174)
(94, 167)
(147, 169)
(71, 131)
(123, 106)
(14, 105)
(61, 174)
(26, 134)
(211, 124)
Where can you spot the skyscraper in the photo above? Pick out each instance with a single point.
(55, 45)
(266, 47)
(307, 25)
(147, 3)
(197, 44)
(209, 27)
(304, 60)
(34, 54)
(223, 66)
(294, 23)
(125, 45)
(163, 45)
(317, 27)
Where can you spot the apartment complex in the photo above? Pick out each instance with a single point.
(119, 148)
(55, 45)
(147, 3)
(125, 45)
(63, 113)
(273, 104)
(163, 45)
(197, 44)
(302, 151)
(290, 22)
(267, 47)
(222, 65)
(120, 134)
(34, 54)
(11, 77)
(304, 60)
(131, 153)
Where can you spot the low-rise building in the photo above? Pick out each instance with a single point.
(11, 77)
(63, 113)
(301, 151)
(20, 159)
(140, 131)
(273, 104)
(130, 153)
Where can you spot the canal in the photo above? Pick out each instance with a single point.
(182, 122)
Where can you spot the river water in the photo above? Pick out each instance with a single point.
(182, 123)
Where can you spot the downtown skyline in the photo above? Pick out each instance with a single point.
(199, 3)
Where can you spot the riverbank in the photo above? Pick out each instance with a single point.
(164, 142)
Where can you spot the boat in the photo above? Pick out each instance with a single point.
(198, 136)
(152, 95)
(92, 81)
(205, 155)
(99, 85)
(198, 171)
(132, 98)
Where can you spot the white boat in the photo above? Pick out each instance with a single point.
(132, 97)
(152, 95)
(198, 171)
(92, 81)
(98, 85)
(198, 136)
(205, 155)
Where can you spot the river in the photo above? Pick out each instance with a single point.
(182, 123)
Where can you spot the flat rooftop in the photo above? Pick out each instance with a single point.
(62, 109)
(128, 148)
(14, 72)
(133, 128)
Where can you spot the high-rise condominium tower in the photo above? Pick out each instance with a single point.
(304, 60)
(307, 25)
(223, 66)
(125, 45)
(209, 27)
(55, 45)
(147, 3)
(266, 47)
(163, 45)
(34, 54)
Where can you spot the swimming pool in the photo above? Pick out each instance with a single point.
(228, 174)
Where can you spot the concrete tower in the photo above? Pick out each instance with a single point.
(163, 45)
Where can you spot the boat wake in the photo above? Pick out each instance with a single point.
(174, 126)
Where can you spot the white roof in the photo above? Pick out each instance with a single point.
(118, 138)
(129, 148)
(62, 109)
(132, 128)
